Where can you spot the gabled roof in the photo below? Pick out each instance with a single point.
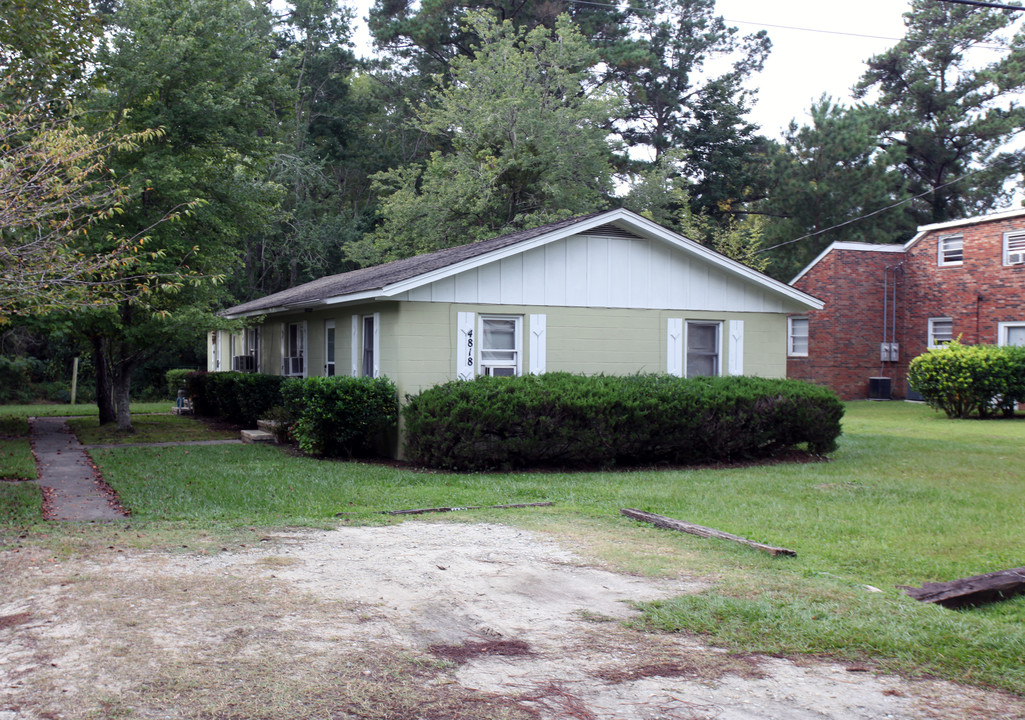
(390, 279)
(856, 246)
(924, 230)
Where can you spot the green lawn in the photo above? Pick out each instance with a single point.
(148, 429)
(84, 410)
(909, 497)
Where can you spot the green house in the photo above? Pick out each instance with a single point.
(610, 292)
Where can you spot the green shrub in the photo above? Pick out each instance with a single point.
(340, 416)
(15, 380)
(240, 397)
(966, 380)
(176, 381)
(573, 420)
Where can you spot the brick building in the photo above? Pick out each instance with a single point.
(886, 304)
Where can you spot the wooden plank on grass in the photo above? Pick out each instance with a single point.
(974, 590)
(701, 531)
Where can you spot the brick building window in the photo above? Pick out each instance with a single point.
(1014, 248)
(951, 250)
(1011, 333)
(797, 336)
(941, 331)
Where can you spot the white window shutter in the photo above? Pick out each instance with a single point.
(674, 347)
(377, 344)
(538, 344)
(354, 345)
(736, 347)
(465, 367)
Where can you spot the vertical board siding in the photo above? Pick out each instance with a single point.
(598, 271)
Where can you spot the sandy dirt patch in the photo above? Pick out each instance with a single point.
(418, 621)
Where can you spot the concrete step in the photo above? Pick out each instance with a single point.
(267, 425)
(257, 436)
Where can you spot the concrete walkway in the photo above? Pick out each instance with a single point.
(65, 469)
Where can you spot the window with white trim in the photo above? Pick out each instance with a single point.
(245, 351)
(368, 364)
(950, 250)
(1011, 333)
(329, 348)
(941, 331)
(294, 358)
(1014, 248)
(703, 349)
(501, 345)
(797, 336)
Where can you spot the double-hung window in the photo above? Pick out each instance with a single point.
(951, 250)
(1014, 248)
(1011, 333)
(797, 336)
(941, 331)
(501, 345)
(703, 353)
(294, 358)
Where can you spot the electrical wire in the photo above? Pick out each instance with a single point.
(866, 215)
(980, 3)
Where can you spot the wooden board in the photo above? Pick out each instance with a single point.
(701, 531)
(974, 590)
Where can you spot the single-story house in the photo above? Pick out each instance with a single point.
(609, 292)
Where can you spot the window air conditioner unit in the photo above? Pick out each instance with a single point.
(1016, 258)
(293, 366)
(243, 363)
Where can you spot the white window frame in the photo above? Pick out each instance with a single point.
(1014, 248)
(942, 251)
(330, 348)
(301, 345)
(370, 355)
(1004, 328)
(932, 341)
(686, 345)
(517, 364)
(791, 352)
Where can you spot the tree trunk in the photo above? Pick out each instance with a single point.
(122, 385)
(104, 397)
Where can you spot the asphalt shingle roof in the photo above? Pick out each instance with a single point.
(377, 277)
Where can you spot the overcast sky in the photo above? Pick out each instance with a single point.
(819, 46)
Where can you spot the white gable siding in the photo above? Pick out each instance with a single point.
(597, 271)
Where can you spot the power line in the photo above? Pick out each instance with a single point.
(866, 215)
(797, 28)
(980, 3)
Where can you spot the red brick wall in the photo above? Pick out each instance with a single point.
(844, 337)
(976, 295)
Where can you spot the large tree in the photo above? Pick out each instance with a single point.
(528, 143)
(203, 71)
(831, 182)
(947, 114)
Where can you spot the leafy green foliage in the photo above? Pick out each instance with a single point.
(340, 416)
(945, 114)
(176, 380)
(528, 135)
(573, 420)
(240, 397)
(826, 174)
(966, 380)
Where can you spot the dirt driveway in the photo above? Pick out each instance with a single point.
(411, 621)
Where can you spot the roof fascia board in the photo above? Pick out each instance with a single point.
(635, 222)
(856, 246)
(924, 230)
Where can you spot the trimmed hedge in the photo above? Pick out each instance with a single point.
(340, 416)
(966, 380)
(240, 397)
(559, 419)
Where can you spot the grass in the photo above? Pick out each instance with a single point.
(21, 504)
(77, 410)
(148, 429)
(909, 497)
